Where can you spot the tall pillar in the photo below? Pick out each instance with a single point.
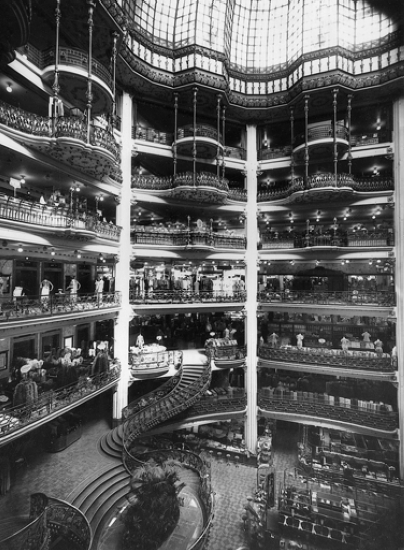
(250, 427)
(121, 346)
(398, 140)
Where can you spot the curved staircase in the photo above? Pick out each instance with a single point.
(105, 491)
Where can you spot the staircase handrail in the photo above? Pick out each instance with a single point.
(190, 460)
(163, 409)
(163, 390)
(38, 533)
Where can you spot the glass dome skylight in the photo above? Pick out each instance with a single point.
(255, 35)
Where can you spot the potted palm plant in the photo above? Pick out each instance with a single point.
(154, 508)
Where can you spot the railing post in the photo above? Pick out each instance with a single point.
(89, 93)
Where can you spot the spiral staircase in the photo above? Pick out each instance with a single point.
(105, 492)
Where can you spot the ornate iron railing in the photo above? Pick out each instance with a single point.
(318, 405)
(205, 179)
(351, 359)
(77, 58)
(185, 297)
(200, 130)
(51, 518)
(360, 184)
(322, 131)
(15, 418)
(23, 307)
(295, 239)
(20, 210)
(182, 396)
(71, 127)
(188, 238)
(238, 195)
(345, 297)
(187, 459)
(151, 397)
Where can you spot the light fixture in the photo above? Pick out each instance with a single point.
(22, 180)
(101, 257)
(9, 87)
(77, 253)
(20, 248)
(52, 252)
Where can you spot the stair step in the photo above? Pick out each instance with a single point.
(98, 520)
(84, 491)
(106, 500)
(102, 492)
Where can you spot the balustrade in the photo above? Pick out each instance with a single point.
(187, 459)
(185, 297)
(173, 237)
(295, 239)
(18, 307)
(357, 297)
(78, 58)
(20, 210)
(52, 519)
(359, 184)
(180, 398)
(70, 127)
(200, 130)
(331, 407)
(352, 359)
(322, 132)
(13, 419)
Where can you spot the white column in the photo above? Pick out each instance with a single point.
(251, 287)
(121, 345)
(398, 140)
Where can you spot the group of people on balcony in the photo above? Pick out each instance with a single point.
(58, 369)
(150, 284)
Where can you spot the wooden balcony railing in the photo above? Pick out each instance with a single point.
(34, 306)
(382, 298)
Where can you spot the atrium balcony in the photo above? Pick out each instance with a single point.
(325, 187)
(334, 359)
(58, 220)
(18, 310)
(67, 139)
(19, 420)
(323, 409)
(202, 187)
(202, 140)
(73, 78)
(185, 239)
(321, 138)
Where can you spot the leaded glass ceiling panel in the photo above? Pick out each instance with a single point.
(257, 35)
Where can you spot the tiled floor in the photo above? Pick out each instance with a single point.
(58, 474)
